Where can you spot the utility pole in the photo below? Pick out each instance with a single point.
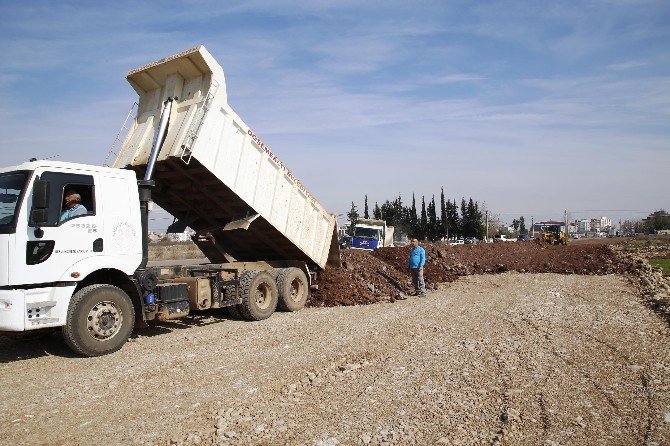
(565, 217)
(487, 227)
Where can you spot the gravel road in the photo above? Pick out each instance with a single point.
(510, 359)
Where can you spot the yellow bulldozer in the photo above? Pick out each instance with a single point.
(554, 236)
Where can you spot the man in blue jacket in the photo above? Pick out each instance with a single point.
(417, 259)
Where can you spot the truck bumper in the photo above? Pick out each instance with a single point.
(34, 308)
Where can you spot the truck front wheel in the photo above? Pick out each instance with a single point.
(100, 319)
(293, 289)
(259, 295)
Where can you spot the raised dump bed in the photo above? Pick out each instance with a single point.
(214, 174)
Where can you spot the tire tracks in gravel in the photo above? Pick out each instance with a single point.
(472, 363)
(505, 418)
(630, 364)
(644, 380)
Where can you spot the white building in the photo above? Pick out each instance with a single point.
(595, 224)
(155, 236)
(583, 226)
(181, 237)
(605, 223)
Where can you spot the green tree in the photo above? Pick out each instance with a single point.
(657, 220)
(433, 229)
(377, 212)
(388, 213)
(393, 212)
(398, 212)
(413, 220)
(453, 221)
(366, 214)
(444, 226)
(423, 224)
(477, 226)
(465, 221)
(352, 215)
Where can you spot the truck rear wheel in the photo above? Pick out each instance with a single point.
(100, 319)
(293, 289)
(259, 295)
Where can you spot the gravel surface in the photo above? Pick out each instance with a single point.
(512, 358)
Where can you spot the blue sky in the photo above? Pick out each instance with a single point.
(529, 107)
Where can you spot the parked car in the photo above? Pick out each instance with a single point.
(501, 238)
(345, 242)
(456, 242)
(523, 238)
(471, 240)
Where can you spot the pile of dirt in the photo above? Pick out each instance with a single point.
(651, 284)
(363, 279)
(382, 275)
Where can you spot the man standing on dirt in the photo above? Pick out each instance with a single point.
(417, 259)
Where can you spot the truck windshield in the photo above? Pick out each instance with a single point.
(367, 232)
(11, 187)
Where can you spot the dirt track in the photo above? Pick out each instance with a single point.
(511, 358)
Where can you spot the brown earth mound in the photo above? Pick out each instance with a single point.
(382, 275)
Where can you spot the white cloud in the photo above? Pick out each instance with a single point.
(476, 98)
(622, 66)
(452, 78)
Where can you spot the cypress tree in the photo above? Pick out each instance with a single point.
(433, 222)
(423, 225)
(366, 214)
(443, 216)
(377, 213)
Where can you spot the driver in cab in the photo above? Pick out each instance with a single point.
(72, 206)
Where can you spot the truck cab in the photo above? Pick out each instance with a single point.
(368, 238)
(371, 234)
(44, 257)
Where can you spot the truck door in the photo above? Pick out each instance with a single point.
(72, 233)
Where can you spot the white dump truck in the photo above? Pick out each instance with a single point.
(74, 238)
(370, 234)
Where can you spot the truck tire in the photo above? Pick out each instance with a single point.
(293, 289)
(232, 310)
(259, 295)
(100, 319)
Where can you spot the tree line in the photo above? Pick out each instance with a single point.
(425, 223)
(657, 220)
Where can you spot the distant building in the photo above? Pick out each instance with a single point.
(155, 236)
(605, 223)
(342, 231)
(181, 236)
(583, 226)
(595, 225)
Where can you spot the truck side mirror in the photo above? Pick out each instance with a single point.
(39, 214)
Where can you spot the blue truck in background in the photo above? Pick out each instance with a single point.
(371, 234)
